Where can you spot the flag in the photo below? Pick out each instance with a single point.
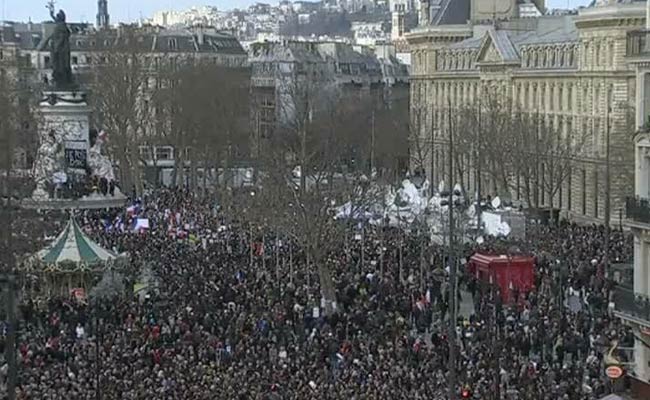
(138, 287)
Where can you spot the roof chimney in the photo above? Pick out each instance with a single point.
(199, 35)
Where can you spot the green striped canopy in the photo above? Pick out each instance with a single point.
(72, 246)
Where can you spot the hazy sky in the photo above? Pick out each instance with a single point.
(128, 10)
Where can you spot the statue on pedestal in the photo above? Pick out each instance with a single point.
(60, 50)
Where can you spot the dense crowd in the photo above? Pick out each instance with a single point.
(228, 323)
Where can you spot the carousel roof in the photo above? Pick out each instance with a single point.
(73, 246)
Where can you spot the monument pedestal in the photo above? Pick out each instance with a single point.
(67, 114)
(63, 164)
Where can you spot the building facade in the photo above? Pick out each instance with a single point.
(87, 47)
(570, 71)
(278, 68)
(633, 301)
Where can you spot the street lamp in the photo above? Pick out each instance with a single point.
(99, 315)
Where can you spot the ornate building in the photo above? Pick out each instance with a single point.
(569, 70)
(103, 19)
(632, 299)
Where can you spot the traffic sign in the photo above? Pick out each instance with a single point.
(614, 372)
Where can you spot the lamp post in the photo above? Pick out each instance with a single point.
(99, 320)
(452, 266)
(607, 191)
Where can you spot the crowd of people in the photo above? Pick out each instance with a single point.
(227, 323)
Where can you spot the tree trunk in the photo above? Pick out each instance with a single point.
(193, 170)
(328, 292)
(180, 168)
(125, 171)
(136, 168)
(303, 159)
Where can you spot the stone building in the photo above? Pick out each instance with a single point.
(632, 299)
(278, 66)
(571, 70)
(87, 46)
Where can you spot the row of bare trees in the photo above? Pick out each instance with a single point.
(328, 141)
(516, 150)
(197, 106)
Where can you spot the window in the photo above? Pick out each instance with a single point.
(75, 60)
(172, 44)
(146, 153)
(164, 153)
(569, 190)
(2, 56)
(596, 194)
(46, 61)
(584, 192)
(542, 190)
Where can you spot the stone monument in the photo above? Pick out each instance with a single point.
(65, 159)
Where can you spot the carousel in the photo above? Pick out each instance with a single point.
(72, 262)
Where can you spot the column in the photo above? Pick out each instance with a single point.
(642, 267)
(641, 358)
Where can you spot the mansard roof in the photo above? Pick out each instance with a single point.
(548, 30)
(154, 41)
(449, 12)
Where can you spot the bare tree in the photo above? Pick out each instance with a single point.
(122, 90)
(317, 131)
(420, 139)
(557, 150)
(207, 108)
(16, 128)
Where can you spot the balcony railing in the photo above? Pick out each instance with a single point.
(637, 43)
(638, 209)
(632, 304)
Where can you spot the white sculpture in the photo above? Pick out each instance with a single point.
(99, 164)
(49, 161)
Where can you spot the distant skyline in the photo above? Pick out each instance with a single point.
(132, 10)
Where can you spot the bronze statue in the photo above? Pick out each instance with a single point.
(60, 50)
